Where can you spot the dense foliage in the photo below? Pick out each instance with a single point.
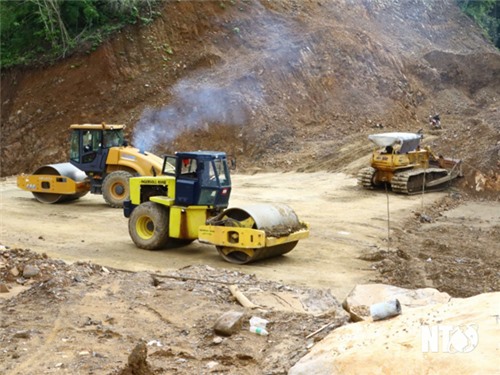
(486, 13)
(44, 30)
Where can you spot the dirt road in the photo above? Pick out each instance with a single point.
(345, 221)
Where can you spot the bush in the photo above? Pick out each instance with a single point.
(40, 31)
(486, 13)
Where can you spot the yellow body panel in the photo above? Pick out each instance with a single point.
(387, 164)
(51, 184)
(295, 236)
(185, 221)
(245, 238)
(166, 201)
(391, 162)
(144, 164)
(136, 183)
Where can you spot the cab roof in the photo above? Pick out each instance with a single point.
(202, 154)
(389, 139)
(408, 141)
(102, 126)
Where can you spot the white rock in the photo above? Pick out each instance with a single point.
(361, 297)
(464, 331)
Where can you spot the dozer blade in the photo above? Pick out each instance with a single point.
(55, 183)
(246, 234)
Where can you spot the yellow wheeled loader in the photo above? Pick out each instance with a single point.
(399, 161)
(101, 162)
(189, 202)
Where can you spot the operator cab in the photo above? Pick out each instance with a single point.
(90, 144)
(202, 178)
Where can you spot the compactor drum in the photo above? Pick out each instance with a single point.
(269, 221)
(56, 183)
(189, 202)
(400, 162)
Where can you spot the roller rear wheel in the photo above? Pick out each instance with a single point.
(148, 226)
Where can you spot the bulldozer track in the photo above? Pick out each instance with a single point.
(365, 177)
(411, 182)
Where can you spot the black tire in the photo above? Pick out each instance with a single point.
(115, 188)
(148, 226)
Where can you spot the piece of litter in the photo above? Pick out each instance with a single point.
(155, 343)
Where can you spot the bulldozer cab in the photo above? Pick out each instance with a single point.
(90, 145)
(202, 178)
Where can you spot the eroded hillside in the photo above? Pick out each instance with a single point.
(281, 84)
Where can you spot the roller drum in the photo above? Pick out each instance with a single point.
(65, 170)
(277, 220)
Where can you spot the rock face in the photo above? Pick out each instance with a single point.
(361, 297)
(458, 337)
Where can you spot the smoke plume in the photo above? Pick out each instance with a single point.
(193, 107)
(227, 93)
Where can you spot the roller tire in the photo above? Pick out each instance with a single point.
(148, 226)
(115, 188)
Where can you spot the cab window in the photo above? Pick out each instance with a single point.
(210, 175)
(215, 173)
(113, 138)
(74, 151)
(188, 168)
(169, 165)
(222, 171)
(92, 143)
(91, 140)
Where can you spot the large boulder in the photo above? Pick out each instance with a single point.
(361, 297)
(458, 337)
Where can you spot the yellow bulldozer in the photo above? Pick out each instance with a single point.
(402, 163)
(189, 201)
(100, 162)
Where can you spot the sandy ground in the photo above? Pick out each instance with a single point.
(344, 220)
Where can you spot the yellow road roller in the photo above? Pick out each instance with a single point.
(101, 162)
(189, 201)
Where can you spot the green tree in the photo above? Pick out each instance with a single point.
(44, 30)
(486, 13)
